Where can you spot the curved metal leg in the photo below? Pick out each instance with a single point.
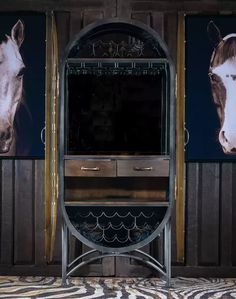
(150, 257)
(81, 257)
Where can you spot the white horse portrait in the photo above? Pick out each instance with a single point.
(11, 86)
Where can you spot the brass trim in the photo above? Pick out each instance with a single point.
(51, 177)
(180, 165)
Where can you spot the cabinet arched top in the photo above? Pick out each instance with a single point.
(117, 38)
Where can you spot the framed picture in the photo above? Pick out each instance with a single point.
(210, 87)
(22, 84)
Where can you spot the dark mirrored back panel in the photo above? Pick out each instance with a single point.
(117, 108)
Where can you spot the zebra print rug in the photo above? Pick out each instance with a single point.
(107, 288)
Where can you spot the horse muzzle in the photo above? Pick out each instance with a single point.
(228, 141)
(6, 137)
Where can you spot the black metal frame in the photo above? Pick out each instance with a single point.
(164, 226)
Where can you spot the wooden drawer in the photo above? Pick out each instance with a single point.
(90, 168)
(145, 167)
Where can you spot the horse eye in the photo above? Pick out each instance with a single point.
(213, 77)
(210, 75)
(21, 72)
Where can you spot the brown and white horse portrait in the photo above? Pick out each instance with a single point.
(11, 86)
(222, 74)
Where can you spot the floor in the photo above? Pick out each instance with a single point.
(105, 288)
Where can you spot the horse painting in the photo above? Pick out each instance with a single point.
(222, 74)
(11, 87)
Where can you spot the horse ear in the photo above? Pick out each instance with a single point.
(214, 33)
(17, 33)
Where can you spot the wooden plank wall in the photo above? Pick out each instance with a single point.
(210, 189)
(22, 217)
(210, 221)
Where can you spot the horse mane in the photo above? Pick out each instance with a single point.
(225, 50)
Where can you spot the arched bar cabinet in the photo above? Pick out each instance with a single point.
(117, 143)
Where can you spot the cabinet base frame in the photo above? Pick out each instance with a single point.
(148, 260)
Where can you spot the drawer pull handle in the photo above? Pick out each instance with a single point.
(90, 168)
(136, 168)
